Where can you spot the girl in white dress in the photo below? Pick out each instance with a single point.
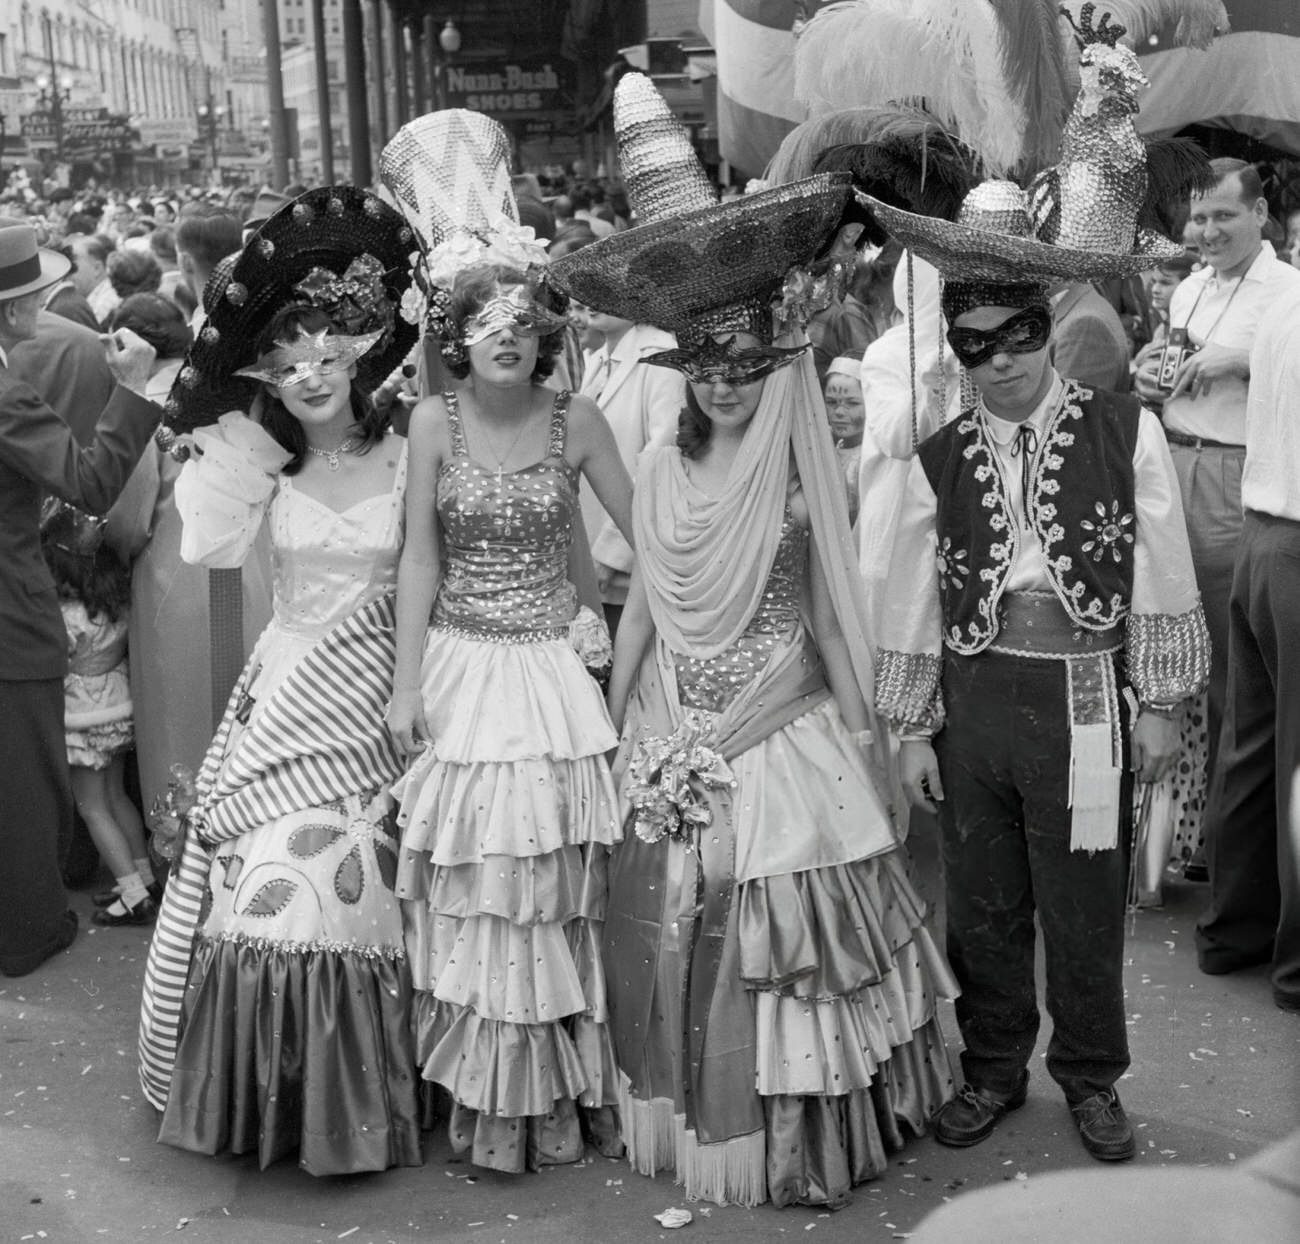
(294, 1031)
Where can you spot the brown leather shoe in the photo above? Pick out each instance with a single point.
(972, 1115)
(1104, 1128)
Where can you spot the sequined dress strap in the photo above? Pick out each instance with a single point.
(455, 428)
(559, 424)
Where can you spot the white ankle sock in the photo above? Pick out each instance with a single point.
(132, 890)
(145, 868)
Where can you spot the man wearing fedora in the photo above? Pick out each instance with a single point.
(39, 455)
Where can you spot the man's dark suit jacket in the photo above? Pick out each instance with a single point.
(65, 364)
(1088, 342)
(71, 305)
(39, 454)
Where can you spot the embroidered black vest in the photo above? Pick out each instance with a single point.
(1080, 504)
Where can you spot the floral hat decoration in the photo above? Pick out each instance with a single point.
(449, 174)
(337, 248)
(697, 267)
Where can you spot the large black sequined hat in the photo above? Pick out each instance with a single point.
(337, 247)
(694, 265)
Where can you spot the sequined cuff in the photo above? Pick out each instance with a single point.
(1168, 656)
(907, 692)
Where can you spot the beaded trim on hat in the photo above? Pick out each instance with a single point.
(753, 316)
(660, 170)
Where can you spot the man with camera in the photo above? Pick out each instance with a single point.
(1201, 377)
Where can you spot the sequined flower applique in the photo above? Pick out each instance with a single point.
(952, 564)
(1109, 534)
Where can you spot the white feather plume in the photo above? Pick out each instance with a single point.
(878, 52)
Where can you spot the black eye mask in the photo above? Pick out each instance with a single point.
(1023, 333)
(713, 362)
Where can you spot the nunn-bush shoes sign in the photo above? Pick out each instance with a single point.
(516, 89)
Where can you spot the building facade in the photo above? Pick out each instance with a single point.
(130, 91)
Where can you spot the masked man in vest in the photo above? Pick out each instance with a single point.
(1040, 629)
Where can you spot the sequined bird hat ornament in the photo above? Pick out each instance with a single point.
(700, 268)
(1094, 212)
(337, 248)
(449, 174)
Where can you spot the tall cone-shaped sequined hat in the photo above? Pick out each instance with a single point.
(695, 266)
(660, 170)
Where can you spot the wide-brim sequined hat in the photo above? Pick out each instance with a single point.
(991, 241)
(337, 247)
(694, 264)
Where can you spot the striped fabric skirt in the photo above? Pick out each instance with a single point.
(282, 905)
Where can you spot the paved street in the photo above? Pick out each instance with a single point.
(1216, 1077)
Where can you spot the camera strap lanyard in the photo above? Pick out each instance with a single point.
(1187, 324)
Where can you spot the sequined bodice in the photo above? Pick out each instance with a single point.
(506, 536)
(712, 683)
(328, 563)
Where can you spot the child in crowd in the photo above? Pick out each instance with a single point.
(1164, 280)
(94, 591)
(847, 414)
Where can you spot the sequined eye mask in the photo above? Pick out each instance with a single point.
(515, 311)
(1023, 333)
(312, 354)
(719, 362)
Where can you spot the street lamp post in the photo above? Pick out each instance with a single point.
(210, 114)
(449, 41)
(52, 98)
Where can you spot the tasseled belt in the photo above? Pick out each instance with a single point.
(1035, 625)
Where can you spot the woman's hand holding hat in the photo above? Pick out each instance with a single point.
(130, 358)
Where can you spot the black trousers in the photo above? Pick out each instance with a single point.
(1253, 833)
(1004, 759)
(35, 822)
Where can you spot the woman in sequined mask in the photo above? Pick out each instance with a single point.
(295, 847)
(763, 911)
(508, 810)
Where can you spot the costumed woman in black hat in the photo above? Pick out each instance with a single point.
(508, 810)
(277, 993)
(772, 984)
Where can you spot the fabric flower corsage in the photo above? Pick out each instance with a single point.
(513, 246)
(448, 259)
(589, 637)
(668, 779)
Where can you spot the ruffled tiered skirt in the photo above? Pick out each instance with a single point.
(295, 1031)
(819, 1050)
(506, 825)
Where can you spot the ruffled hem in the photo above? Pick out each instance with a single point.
(307, 1052)
(95, 746)
(519, 974)
(833, 931)
(460, 813)
(513, 1070)
(812, 1149)
(840, 1044)
(566, 884)
(513, 1145)
(511, 701)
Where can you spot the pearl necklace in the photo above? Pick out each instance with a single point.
(331, 456)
